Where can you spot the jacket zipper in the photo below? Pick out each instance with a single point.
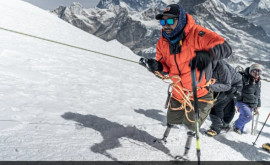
(177, 67)
(177, 64)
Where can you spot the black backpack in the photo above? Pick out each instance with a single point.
(240, 70)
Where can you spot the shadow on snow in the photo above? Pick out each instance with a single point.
(241, 147)
(266, 124)
(247, 150)
(263, 133)
(154, 114)
(112, 132)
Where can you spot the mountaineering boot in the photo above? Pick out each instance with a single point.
(211, 133)
(226, 127)
(166, 134)
(237, 130)
(266, 147)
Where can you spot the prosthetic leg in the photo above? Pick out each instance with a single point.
(187, 147)
(165, 135)
(188, 142)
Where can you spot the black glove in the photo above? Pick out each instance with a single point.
(152, 64)
(233, 93)
(230, 93)
(232, 90)
(201, 60)
(237, 94)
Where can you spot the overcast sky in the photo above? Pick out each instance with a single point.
(53, 4)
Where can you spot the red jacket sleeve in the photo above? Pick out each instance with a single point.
(212, 42)
(160, 57)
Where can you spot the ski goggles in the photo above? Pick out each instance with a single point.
(169, 21)
(256, 71)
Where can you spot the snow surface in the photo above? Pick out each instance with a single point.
(60, 103)
(264, 4)
(170, 1)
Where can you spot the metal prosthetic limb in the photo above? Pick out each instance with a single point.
(188, 142)
(185, 157)
(165, 135)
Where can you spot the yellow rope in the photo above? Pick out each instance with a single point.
(65, 44)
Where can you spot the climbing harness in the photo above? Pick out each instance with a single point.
(186, 93)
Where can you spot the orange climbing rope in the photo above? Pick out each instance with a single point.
(187, 93)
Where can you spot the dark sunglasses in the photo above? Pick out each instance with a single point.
(169, 21)
(256, 71)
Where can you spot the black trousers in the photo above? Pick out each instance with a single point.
(222, 112)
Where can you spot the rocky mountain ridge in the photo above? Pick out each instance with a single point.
(132, 23)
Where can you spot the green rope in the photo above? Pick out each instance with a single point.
(60, 43)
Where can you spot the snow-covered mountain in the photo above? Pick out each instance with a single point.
(62, 103)
(114, 21)
(257, 7)
(137, 28)
(255, 11)
(258, 12)
(138, 5)
(234, 6)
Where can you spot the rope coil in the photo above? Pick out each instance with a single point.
(186, 93)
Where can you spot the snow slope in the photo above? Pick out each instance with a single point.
(60, 103)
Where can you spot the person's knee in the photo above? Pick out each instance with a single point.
(248, 118)
(189, 126)
(169, 125)
(191, 133)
